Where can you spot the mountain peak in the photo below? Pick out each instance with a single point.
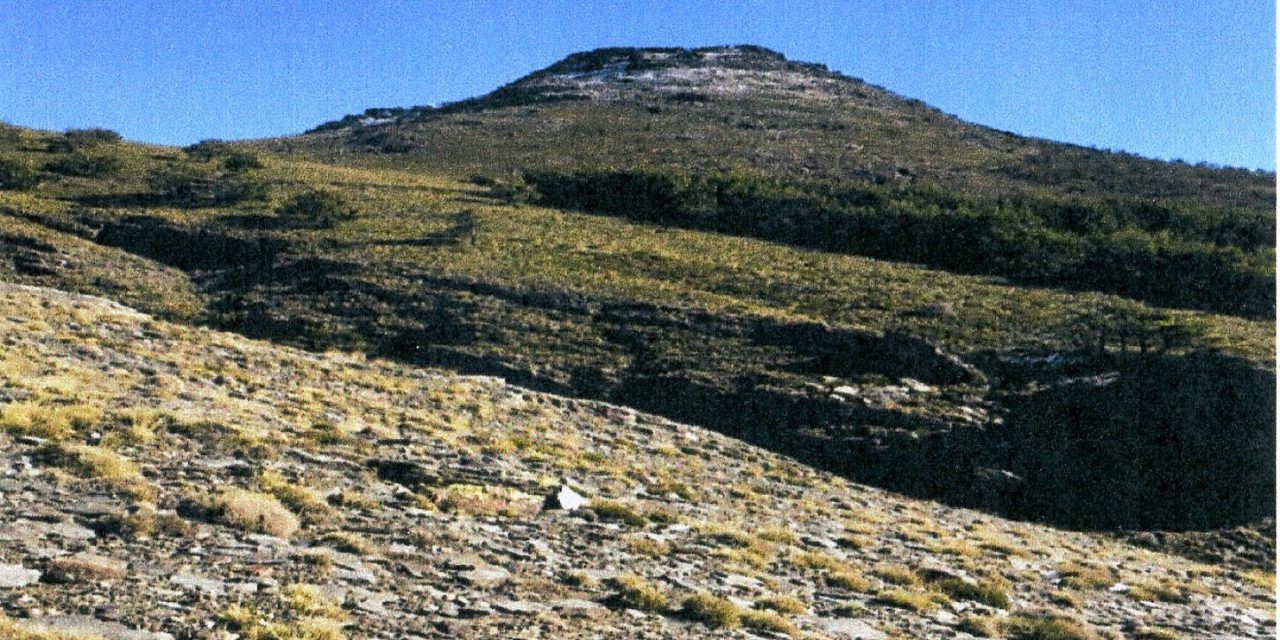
(689, 74)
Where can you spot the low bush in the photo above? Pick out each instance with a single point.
(85, 164)
(189, 186)
(240, 161)
(75, 139)
(17, 174)
(317, 209)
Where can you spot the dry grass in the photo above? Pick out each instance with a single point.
(1079, 575)
(349, 542)
(299, 498)
(896, 574)
(50, 421)
(769, 621)
(85, 567)
(253, 626)
(306, 600)
(258, 512)
(917, 601)
(104, 465)
(485, 500)
(783, 604)
(614, 510)
(713, 611)
(634, 592)
(1047, 628)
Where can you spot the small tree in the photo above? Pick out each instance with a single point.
(316, 208)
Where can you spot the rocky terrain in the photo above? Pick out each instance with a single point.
(162, 481)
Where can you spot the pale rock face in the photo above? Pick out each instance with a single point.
(568, 499)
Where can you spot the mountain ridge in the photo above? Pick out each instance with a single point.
(751, 108)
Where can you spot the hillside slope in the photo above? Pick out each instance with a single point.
(929, 383)
(747, 107)
(164, 481)
(740, 140)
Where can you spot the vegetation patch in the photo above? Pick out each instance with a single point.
(614, 510)
(257, 512)
(102, 464)
(634, 592)
(917, 601)
(713, 611)
(1047, 628)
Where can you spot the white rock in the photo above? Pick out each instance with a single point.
(16, 575)
(567, 499)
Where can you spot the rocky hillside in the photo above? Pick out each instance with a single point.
(960, 388)
(163, 481)
(748, 108)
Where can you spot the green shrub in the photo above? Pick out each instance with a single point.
(187, 185)
(239, 161)
(85, 165)
(316, 208)
(17, 174)
(74, 139)
(206, 150)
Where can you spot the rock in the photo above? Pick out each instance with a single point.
(485, 577)
(88, 626)
(736, 581)
(519, 607)
(579, 608)
(207, 586)
(847, 628)
(566, 498)
(16, 575)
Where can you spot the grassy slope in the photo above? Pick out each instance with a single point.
(699, 326)
(866, 134)
(177, 410)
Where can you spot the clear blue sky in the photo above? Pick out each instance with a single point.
(1195, 82)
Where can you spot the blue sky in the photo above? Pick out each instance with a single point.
(1195, 82)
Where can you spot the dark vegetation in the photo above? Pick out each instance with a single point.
(317, 209)
(84, 164)
(182, 185)
(78, 139)
(18, 174)
(1180, 256)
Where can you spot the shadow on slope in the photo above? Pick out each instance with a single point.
(1171, 442)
